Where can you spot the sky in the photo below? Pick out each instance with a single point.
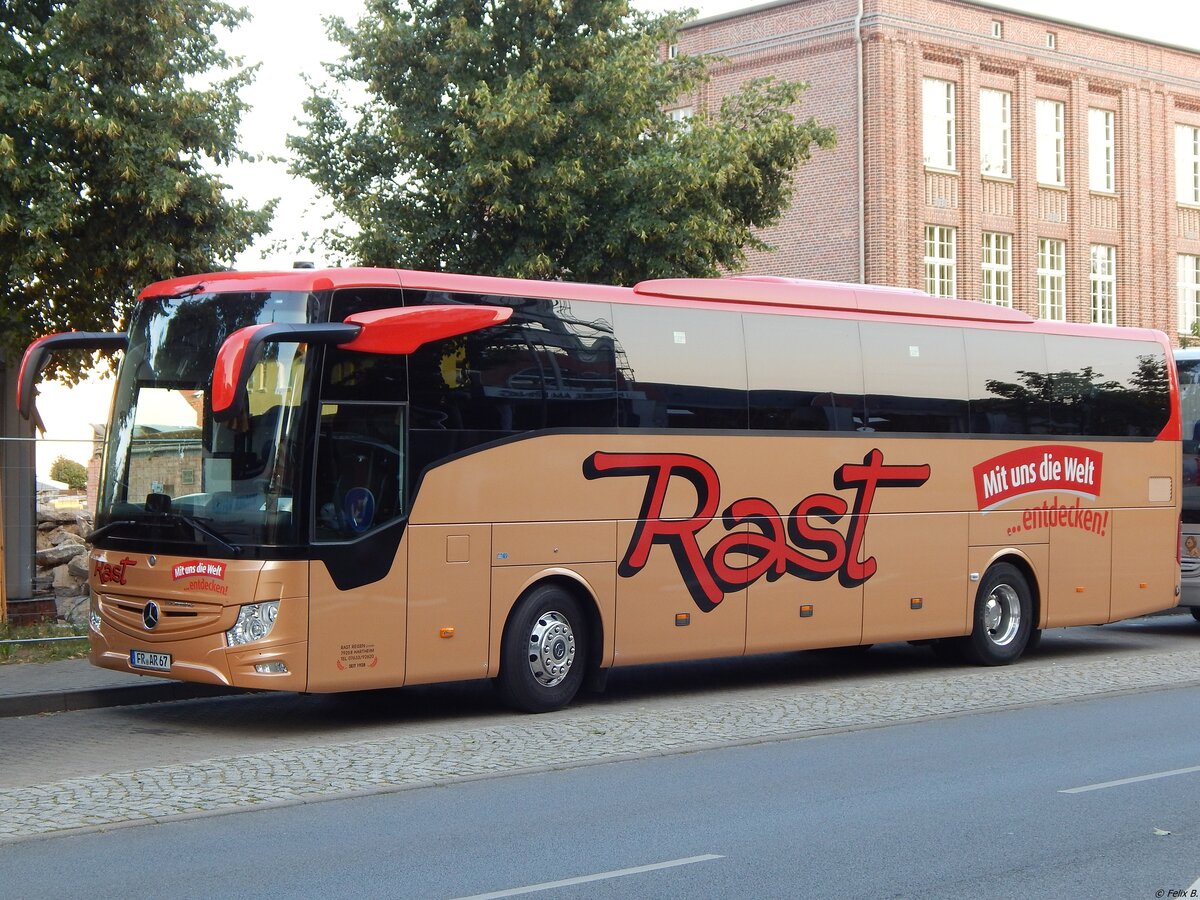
(287, 38)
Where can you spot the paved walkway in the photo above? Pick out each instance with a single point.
(572, 737)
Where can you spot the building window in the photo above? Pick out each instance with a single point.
(672, 51)
(1187, 164)
(1049, 121)
(940, 267)
(1051, 40)
(997, 268)
(1101, 148)
(1189, 292)
(938, 122)
(1104, 285)
(682, 115)
(997, 29)
(995, 133)
(1052, 278)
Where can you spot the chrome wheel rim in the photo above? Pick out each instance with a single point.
(1002, 615)
(551, 649)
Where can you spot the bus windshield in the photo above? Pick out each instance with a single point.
(171, 472)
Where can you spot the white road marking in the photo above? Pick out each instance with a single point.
(1117, 783)
(600, 876)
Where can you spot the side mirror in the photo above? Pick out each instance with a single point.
(398, 331)
(37, 357)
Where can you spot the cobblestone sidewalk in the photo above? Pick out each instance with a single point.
(558, 740)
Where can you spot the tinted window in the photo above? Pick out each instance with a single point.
(685, 368)
(350, 375)
(551, 365)
(360, 468)
(1007, 382)
(805, 373)
(1107, 387)
(915, 378)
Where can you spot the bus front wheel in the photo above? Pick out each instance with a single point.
(544, 649)
(1003, 617)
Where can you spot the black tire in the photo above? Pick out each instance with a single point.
(1196, 613)
(1003, 618)
(543, 655)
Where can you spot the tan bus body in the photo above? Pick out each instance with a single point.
(652, 544)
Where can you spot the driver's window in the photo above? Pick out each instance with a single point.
(360, 468)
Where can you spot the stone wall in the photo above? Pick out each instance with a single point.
(62, 561)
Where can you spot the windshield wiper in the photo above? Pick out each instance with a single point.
(209, 533)
(156, 518)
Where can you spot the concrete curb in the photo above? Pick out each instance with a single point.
(101, 697)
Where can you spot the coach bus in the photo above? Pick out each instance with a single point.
(1187, 362)
(362, 478)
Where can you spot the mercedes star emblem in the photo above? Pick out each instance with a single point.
(150, 615)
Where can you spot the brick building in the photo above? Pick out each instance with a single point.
(1005, 157)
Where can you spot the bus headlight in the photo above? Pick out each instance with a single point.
(254, 622)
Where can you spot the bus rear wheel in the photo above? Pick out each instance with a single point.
(543, 654)
(1003, 618)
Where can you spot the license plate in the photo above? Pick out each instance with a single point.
(144, 659)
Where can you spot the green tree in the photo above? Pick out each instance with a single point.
(114, 115)
(528, 138)
(71, 473)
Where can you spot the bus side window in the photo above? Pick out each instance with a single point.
(360, 465)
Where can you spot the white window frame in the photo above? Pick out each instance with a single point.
(937, 123)
(1187, 267)
(1052, 279)
(997, 29)
(997, 268)
(1051, 40)
(1049, 118)
(1101, 150)
(995, 133)
(1187, 164)
(1104, 284)
(941, 261)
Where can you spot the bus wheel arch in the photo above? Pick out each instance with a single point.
(550, 645)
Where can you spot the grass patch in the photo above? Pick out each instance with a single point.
(43, 651)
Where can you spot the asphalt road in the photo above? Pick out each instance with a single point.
(815, 774)
(1039, 801)
(49, 748)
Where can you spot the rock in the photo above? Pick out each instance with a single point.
(58, 556)
(73, 608)
(80, 567)
(51, 517)
(62, 535)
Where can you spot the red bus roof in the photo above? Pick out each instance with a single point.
(768, 293)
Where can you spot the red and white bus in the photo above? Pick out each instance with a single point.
(363, 478)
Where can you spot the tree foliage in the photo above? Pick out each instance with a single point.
(70, 472)
(113, 116)
(528, 138)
